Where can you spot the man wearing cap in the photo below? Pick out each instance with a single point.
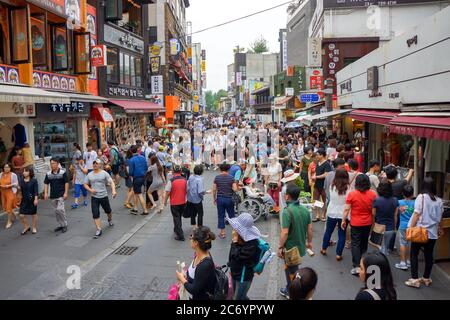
(244, 254)
(176, 190)
(96, 183)
(296, 231)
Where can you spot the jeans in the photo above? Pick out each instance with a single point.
(241, 289)
(290, 273)
(392, 241)
(428, 249)
(387, 238)
(224, 205)
(177, 213)
(360, 240)
(331, 224)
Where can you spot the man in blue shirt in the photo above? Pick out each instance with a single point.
(235, 168)
(137, 168)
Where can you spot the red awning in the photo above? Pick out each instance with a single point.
(138, 106)
(426, 127)
(101, 114)
(374, 116)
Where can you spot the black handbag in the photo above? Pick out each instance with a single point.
(187, 212)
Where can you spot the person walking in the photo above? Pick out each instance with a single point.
(353, 172)
(296, 231)
(428, 211)
(289, 178)
(322, 169)
(80, 172)
(223, 188)
(114, 160)
(128, 182)
(244, 254)
(359, 202)
(137, 169)
(18, 162)
(77, 153)
(176, 190)
(158, 182)
(386, 289)
(96, 183)
(374, 171)
(385, 211)
(406, 211)
(195, 193)
(339, 191)
(8, 186)
(274, 175)
(89, 156)
(28, 205)
(58, 181)
(200, 279)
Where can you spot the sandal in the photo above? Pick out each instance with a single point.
(414, 283)
(315, 220)
(426, 282)
(222, 235)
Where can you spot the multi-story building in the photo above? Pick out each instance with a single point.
(168, 32)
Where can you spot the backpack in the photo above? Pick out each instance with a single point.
(222, 284)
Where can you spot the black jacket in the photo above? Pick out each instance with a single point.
(243, 255)
(203, 282)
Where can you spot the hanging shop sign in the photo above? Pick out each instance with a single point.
(314, 52)
(20, 35)
(157, 99)
(74, 109)
(17, 110)
(332, 58)
(314, 78)
(155, 65)
(123, 39)
(175, 47)
(56, 6)
(53, 81)
(157, 84)
(98, 56)
(290, 71)
(9, 74)
(155, 49)
(119, 91)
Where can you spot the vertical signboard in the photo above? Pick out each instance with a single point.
(157, 84)
(285, 51)
(314, 52)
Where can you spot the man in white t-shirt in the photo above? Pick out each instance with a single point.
(89, 157)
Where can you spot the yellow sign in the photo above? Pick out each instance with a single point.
(196, 98)
(203, 65)
(155, 50)
(189, 52)
(196, 107)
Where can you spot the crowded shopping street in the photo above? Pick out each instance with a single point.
(264, 150)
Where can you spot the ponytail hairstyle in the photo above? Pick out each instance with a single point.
(305, 281)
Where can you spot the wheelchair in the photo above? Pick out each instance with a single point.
(256, 206)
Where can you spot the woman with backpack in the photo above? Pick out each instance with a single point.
(244, 254)
(200, 280)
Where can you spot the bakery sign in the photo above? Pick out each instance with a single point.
(17, 110)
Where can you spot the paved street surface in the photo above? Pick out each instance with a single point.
(34, 266)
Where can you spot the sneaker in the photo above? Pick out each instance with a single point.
(85, 203)
(75, 206)
(414, 283)
(98, 233)
(58, 229)
(284, 293)
(110, 223)
(402, 266)
(133, 211)
(408, 264)
(355, 271)
(64, 229)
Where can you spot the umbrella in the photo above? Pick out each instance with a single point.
(292, 125)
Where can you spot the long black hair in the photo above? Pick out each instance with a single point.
(386, 281)
(305, 280)
(429, 187)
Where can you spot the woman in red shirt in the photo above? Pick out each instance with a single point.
(359, 202)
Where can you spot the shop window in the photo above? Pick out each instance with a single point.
(138, 66)
(60, 48)
(122, 75)
(39, 39)
(4, 31)
(126, 14)
(112, 70)
(126, 70)
(82, 43)
(19, 35)
(348, 61)
(132, 71)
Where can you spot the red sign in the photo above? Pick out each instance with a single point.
(316, 82)
(290, 71)
(98, 55)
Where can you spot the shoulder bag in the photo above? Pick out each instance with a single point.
(417, 234)
(292, 256)
(377, 234)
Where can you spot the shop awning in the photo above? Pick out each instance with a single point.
(88, 98)
(25, 94)
(138, 106)
(432, 127)
(374, 116)
(281, 101)
(314, 105)
(309, 119)
(102, 114)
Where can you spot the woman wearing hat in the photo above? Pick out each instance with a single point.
(243, 254)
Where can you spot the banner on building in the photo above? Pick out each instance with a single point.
(315, 79)
(157, 84)
(314, 52)
(238, 79)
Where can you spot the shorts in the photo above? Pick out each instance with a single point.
(95, 205)
(115, 169)
(78, 189)
(129, 182)
(319, 193)
(138, 183)
(403, 241)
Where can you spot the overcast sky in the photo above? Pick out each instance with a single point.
(219, 42)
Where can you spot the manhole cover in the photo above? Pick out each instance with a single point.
(126, 251)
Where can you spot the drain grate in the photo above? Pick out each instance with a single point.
(125, 251)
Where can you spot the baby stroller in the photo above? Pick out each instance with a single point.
(255, 203)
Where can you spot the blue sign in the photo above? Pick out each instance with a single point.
(309, 97)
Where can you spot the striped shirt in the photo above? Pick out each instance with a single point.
(224, 183)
